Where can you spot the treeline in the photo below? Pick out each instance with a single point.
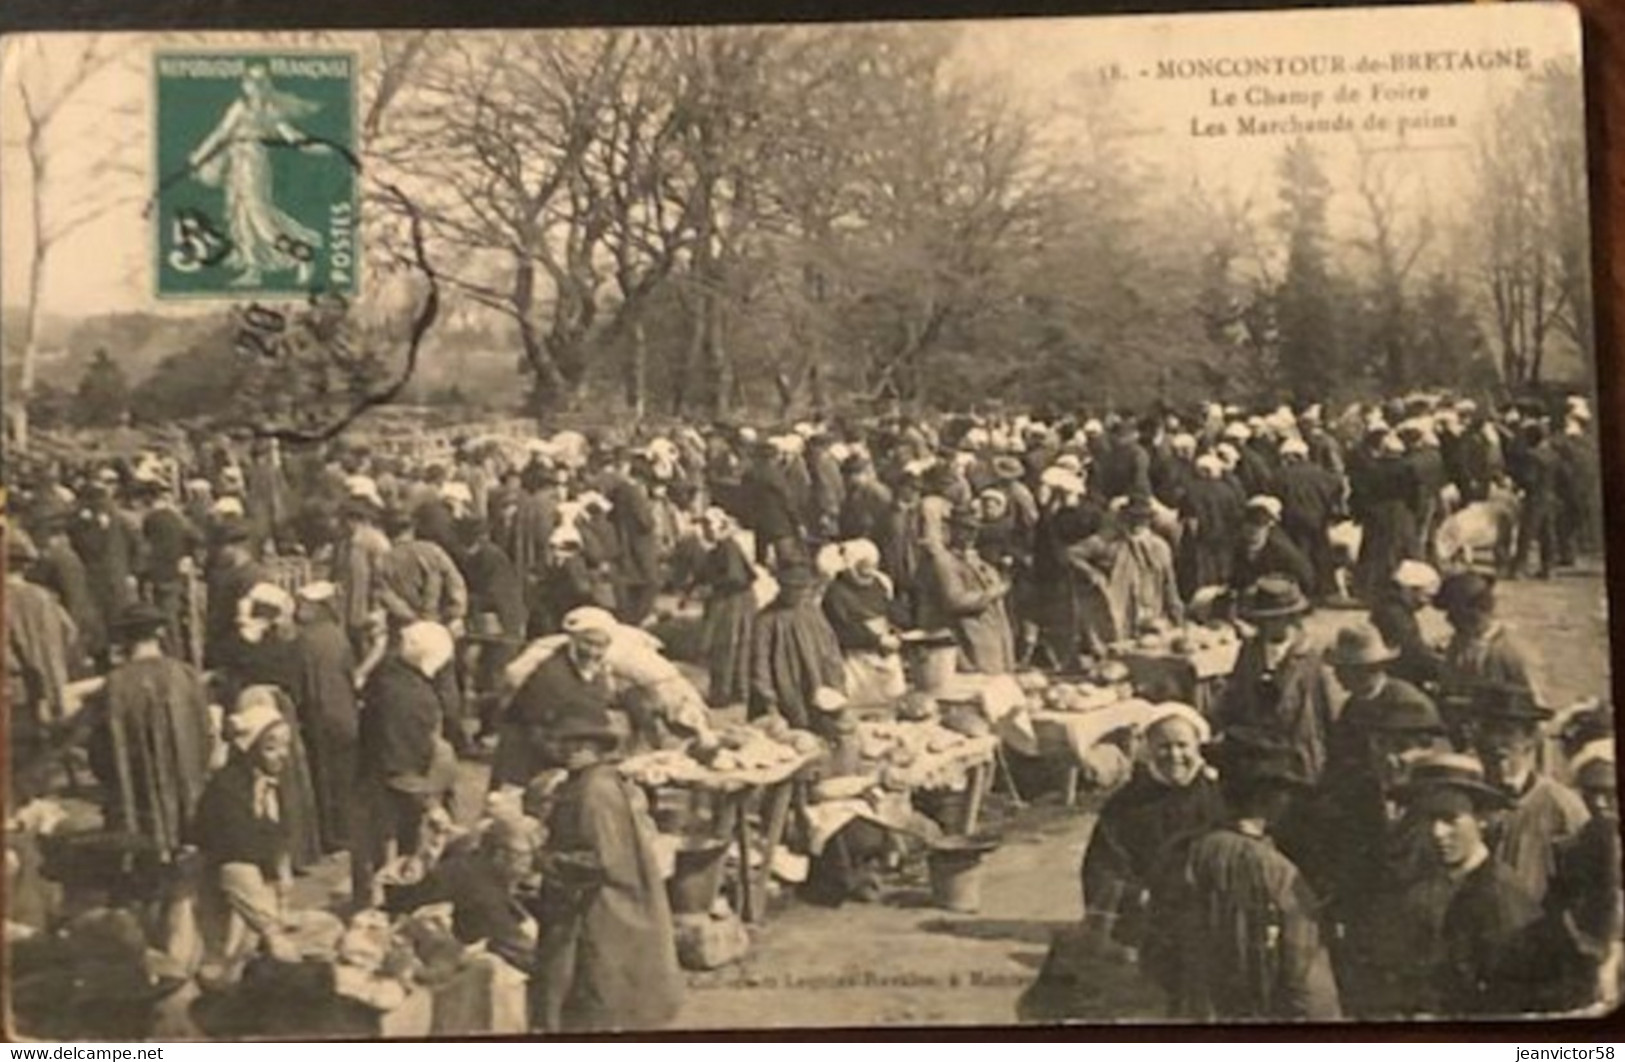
(693, 220)
(766, 219)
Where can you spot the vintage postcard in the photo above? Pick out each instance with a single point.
(773, 526)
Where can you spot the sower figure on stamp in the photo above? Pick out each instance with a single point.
(236, 158)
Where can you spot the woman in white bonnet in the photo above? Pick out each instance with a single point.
(407, 766)
(242, 837)
(1172, 793)
(858, 603)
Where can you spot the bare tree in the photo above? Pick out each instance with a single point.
(47, 76)
(1393, 242)
(1527, 230)
(495, 137)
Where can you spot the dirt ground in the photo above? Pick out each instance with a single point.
(900, 961)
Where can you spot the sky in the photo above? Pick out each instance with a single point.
(1174, 77)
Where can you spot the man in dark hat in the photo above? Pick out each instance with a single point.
(418, 580)
(1578, 940)
(607, 958)
(1125, 467)
(770, 507)
(1364, 859)
(232, 571)
(151, 742)
(1130, 569)
(108, 545)
(432, 517)
(61, 570)
(1233, 932)
(322, 686)
(498, 616)
(359, 553)
(1537, 475)
(866, 505)
(1481, 974)
(1543, 813)
(534, 520)
(171, 544)
(1280, 684)
(1360, 659)
(828, 487)
(1383, 496)
(962, 592)
(1482, 650)
(633, 514)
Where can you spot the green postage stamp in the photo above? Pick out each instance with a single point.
(256, 174)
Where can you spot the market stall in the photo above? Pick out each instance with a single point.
(1188, 663)
(1073, 720)
(746, 769)
(925, 755)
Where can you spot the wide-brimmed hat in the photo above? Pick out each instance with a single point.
(1435, 775)
(1007, 467)
(1593, 766)
(1404, 709)
(1257, 756)
(1465, 590)
(232, 531)
(1502, 701)
(1361, 645)
(1273, 597)
(139, 620)
(588, 724)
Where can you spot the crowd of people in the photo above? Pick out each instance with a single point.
(1367, 830)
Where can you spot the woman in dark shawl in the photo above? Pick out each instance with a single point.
(726, 577)
(324, 689)
(1382, 499)
(794, 652)
(1173, 794)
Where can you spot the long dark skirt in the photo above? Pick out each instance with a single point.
(729, 623)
